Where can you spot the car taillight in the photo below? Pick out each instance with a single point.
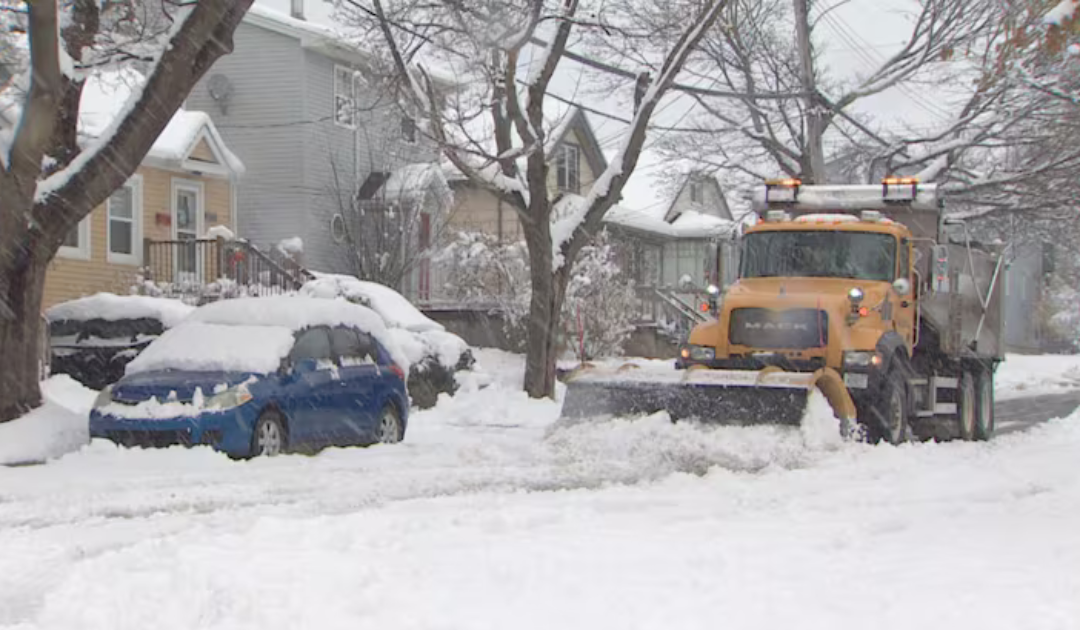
(400, 373)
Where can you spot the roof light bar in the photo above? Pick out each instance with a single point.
(899, 189)
(782, 191)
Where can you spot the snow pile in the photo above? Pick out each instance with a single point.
(1062, 12)
(113, 308)
(394, 309)
(1023, 375)
(59, 426)
(220, 231)
(201, 347)
(293, 246)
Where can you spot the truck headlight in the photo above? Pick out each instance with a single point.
(104, 397)
(701, 353)
(860, 359)
(230, 398)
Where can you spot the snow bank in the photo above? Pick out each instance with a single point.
(112, 308)
(202, 347)
(395, 310)
(1023, 375)
(1063, 11)
(59, 426)
(220, 231)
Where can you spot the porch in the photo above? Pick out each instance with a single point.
(208, 269)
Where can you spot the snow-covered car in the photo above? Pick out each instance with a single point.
(261, 376)
(436, 354)
(93, 338)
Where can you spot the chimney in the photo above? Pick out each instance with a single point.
(297, 9)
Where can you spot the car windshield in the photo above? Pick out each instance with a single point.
(859, 255)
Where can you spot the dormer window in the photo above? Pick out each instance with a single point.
(568, 168)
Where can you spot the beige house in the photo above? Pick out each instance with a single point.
(185, 186)
(577, 161)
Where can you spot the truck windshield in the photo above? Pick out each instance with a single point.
(860, 255)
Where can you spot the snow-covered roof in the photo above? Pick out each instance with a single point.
(104, 97)
(111, 307)
(689, 224)
(395, 310)
(413, 181)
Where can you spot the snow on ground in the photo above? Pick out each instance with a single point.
(57, 427)
(490, 515)
(1032, 375)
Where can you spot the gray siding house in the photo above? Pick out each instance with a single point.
(294, 103)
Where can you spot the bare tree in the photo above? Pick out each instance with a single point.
(495, 132)
(48, 182)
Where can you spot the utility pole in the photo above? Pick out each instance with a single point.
(815, 122)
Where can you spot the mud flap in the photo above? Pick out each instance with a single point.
(728, 397)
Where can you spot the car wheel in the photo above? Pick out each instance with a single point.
(269, 436)
(984, 405)
(965, 406)
(390, 429)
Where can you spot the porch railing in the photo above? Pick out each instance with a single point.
(218, 268)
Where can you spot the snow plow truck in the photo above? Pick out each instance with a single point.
(869, 294)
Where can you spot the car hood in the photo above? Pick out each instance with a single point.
(136, 388)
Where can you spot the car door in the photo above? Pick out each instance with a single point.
(355, 410)
(311, 388)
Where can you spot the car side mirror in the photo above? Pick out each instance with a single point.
(902, 286)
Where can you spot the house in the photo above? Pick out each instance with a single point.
(296, 103)
(184, 187)
(672, 253)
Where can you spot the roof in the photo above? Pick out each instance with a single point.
(671, 213)
(106, 94)
(689, 224)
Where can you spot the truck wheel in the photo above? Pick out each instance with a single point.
(984, 405)
(891, 411)
(965, 406)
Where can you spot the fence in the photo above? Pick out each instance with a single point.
(216, 267)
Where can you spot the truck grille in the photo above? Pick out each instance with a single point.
(789, 328)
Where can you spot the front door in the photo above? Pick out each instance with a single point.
(904, 318)
(187, 224)
(311, 389)
(356, 412)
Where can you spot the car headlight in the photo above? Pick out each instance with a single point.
(861, 359)
(699, 353)
(104, 397)
(230, 398)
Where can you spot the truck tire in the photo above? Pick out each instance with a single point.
(891, 411)
(966, 407)
(984, 405)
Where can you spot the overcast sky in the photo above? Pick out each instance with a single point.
(854, 39)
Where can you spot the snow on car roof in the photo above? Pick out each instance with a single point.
(292, 313)
(202, 347)
(111, 307)
(395, 310)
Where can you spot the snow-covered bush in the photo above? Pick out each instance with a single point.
(600, 300)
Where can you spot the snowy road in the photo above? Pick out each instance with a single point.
(490, 517)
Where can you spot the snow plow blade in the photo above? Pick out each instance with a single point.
(730, 397)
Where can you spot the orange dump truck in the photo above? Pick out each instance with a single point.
(869, 294)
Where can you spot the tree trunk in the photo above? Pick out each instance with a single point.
(545, 305)
(19, 337)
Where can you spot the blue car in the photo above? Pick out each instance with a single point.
(262, 376)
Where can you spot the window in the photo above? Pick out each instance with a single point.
(697, 192)
(567, 165)
(311, 344)
(123, 213)
(344, 97)
(77, 243)
(352, 347)
(408, 129)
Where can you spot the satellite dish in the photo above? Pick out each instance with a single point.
(220, 89)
